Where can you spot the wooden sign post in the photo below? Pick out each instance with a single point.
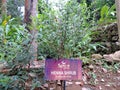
(64, 87)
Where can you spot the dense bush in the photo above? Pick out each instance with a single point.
(66, 33)
(12, 38)
(14, 55)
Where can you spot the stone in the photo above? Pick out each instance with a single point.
(112, 57)
(115, 38)
(91, 67)
(96, 56)
(108, 44)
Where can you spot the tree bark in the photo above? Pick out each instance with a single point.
(34, 32)
(117, 2)
(4, 7)
(27, 11)
(78, 1)
(31, 11)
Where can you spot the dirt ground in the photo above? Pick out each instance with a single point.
(98, 75)
(95, 77)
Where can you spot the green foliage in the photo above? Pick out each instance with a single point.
(93, 78)
(14, 50)
(14, 8)
(4, 81)
(107, 14)
(111, 66)
(42, 6)
(47, 38)
(62, 34)
(11, 38)
(85, 60)
(68, 33)
(97, 5)
(101, 3)
(14, 82)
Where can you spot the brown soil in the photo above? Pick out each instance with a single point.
(95, 77)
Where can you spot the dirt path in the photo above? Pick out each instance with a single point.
(97, 78)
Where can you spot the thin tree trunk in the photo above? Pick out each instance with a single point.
(34, 32)
(31, 11)
(27, 11)
(117, 2)
(78, 1)
(4, 7)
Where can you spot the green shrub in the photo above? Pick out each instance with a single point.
(14, 50)
(107, 14)
(66, 33)
(12, 38)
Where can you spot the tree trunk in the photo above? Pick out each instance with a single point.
(78, 1)
(117, 2)
(4, 7)
(31, 11)
(27, 11)
(34, 32)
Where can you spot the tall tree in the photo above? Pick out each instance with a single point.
(117, 2)
(31, 11)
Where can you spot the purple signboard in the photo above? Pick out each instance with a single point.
(63, 69)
